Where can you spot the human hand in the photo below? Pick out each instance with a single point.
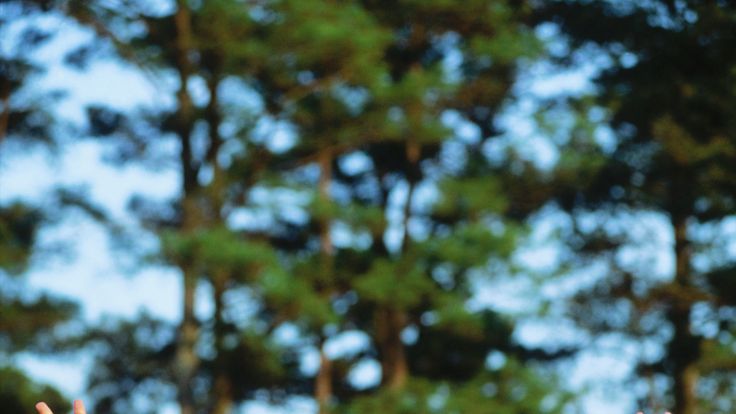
(42, 408)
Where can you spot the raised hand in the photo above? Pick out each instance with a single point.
(42, 408)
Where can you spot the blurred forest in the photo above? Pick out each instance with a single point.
(348, 168)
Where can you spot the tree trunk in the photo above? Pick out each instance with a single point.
(391, 321)
(394, 367)
(325, 180)
(187, 360)
(323, 381)
(213, 117)
(222, 393)
(684, 348)
(684, 352)
(223, 388)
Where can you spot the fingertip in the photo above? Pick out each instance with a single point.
(79, 407)
(42, 408)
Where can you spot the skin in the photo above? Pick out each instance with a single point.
(42, 408)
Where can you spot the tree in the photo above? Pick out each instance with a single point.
(366, 81)
(217, 170)
(669, 106)
(28, 320)
(388, 119)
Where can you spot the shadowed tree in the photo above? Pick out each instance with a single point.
(670, 106)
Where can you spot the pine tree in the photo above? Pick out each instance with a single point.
(364, 81)
(28, 320)
(193, 228)
(669, 103)
(389, 117)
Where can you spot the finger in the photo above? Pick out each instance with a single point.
(79, 407)
(42, 408)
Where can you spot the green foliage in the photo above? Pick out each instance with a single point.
(374, 80)
(323, 33)
(371, 79)
(397, 284)
(456, 346)
(257, 363)
(512, 389)
(222, 43)
(27, 325)
(293, 296)
(219, 251)
(722, 282)
(19, 394)
(672, 156)
(470, 197)
(362, 217)
(682, 147)
(18, 226)
(131, 360)
(471, 245)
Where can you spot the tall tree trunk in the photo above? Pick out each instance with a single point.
(686, 372)
(187, 360)
(223, 388)
(684, 349)
(395, 369)
(325, 180)
(223, 400)
(323, 381)
(392, 321)
(213, 117)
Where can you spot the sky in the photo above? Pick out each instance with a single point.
(95, 274)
